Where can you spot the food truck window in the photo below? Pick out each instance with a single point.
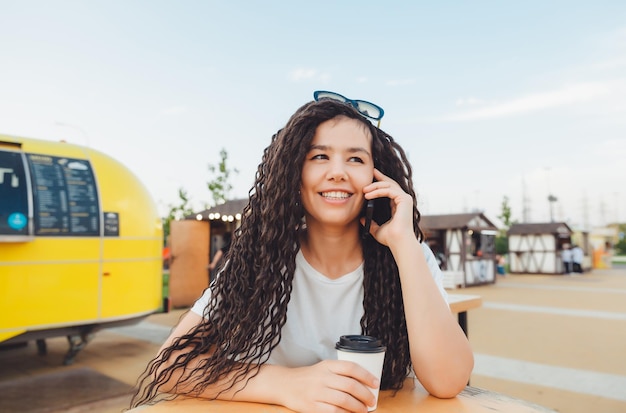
(13, 195)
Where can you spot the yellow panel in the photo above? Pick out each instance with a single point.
(133, 280)
(40, 295)
(120, 248)
(51, 249)
(131, 287)
(121, 192)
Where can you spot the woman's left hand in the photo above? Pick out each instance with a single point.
(401, 223)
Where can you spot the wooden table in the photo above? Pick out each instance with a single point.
(412, 398)
(460, 303)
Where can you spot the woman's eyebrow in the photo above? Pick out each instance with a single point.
(356, 149)
(359, 149)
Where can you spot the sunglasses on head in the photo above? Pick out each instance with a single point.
(365, 108)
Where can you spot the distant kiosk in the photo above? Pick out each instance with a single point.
(465, 247)
(80, 244)
(194, 241)
(535, 248)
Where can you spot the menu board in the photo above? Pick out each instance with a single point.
(65, 196)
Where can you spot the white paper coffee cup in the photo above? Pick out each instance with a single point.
(366, 351)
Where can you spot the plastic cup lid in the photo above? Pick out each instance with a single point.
(361, 344)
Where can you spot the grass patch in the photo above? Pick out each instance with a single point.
(166, 283)
(165, 289)
(620, 259)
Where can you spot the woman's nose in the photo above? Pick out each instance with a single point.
(337, 171)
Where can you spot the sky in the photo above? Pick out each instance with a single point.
(490, 99)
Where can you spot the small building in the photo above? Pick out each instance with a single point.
(535, 248)
(222, 218)
(193, 243)
(602, 241)
(464, 245)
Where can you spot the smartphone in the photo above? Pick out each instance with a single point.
(369, 212)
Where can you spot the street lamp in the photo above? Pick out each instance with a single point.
(552, 199)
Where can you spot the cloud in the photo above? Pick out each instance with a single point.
(304, 74)
(577, 93)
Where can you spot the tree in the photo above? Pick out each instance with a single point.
(505, 215)
(502, 241)
(220, 185)
(176, 212)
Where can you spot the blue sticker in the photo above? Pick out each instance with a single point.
(17, 221)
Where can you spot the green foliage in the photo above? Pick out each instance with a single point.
(502, 241)
(176, 212)
(505, 215)
(502, 244)
(220, 185)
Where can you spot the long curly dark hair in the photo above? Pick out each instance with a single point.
(248, 305)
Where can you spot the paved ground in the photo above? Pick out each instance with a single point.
(559, 341)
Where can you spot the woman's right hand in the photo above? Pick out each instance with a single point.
(329, 386)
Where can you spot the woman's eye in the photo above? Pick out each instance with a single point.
(319, 156)
(356, 159)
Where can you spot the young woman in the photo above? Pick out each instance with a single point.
(300, 273)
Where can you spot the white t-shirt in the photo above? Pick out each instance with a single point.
(578, 255)
(320, 311)
(566, 255)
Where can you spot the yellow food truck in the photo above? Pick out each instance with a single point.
(80, 244)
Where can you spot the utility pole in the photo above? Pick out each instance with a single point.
(585, 212)
(525, 202)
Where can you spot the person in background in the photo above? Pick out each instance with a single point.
(500, 264)
(577, 258)
(221, 253)
(439, 255)
(566, 257)
(607, 257)
(301, 272)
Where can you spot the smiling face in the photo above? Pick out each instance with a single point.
(337, 166)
